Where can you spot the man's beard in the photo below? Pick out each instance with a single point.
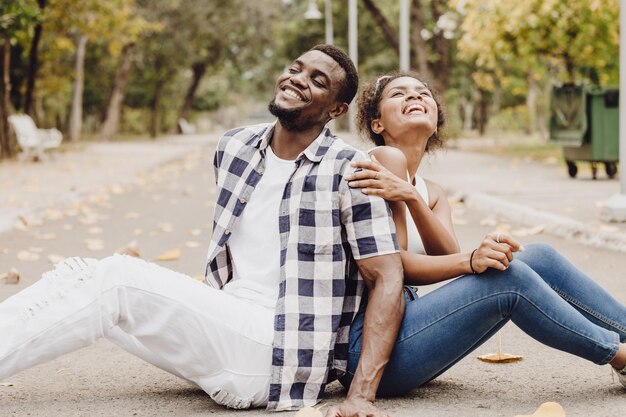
(289, 119)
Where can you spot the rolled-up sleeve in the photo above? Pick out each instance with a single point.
(367, 221)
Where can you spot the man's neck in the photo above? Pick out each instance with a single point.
(288, 144)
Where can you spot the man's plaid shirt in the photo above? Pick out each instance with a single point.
(324, 226)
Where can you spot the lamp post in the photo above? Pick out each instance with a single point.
(405, 51)
(313, 13)
(353, 51)
(614, 208)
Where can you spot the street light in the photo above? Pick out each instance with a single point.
(313, 13)
(405, 51)
(615, 207)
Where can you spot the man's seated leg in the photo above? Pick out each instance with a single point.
(219, 342)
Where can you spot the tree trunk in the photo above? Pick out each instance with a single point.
(420, 54)
(76, 115)
(33, 66)
(531, 103)
(199, 69)
(114, 109)
(5, 89)
(390, 33)
(155, 103)
(441, 47)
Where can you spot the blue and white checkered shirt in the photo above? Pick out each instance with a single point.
(324, 226)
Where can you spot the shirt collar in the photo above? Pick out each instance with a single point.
(314, 152)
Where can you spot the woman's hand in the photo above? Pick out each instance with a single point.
(495, 251)
(374, 179)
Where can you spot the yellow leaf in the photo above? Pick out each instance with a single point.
(130, 249)
(309, 412)
(12, 277)
(192, 244)
(55, 259)
(549, 409)
(170, 255)
(6, 384)
(25, 255)
(500, 358)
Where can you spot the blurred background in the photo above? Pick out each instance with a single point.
(118, 69)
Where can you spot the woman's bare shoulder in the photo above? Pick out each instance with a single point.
(391, 158)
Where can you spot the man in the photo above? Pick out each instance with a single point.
(288, 237)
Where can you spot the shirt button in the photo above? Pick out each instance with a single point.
(227, 231)
(243, 200)
(260, 170)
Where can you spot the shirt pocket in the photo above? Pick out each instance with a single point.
(319, 227)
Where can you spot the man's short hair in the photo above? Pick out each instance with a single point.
(350, 84)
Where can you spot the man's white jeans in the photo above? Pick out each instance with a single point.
(217, 341)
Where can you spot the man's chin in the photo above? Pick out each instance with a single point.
(288, 118)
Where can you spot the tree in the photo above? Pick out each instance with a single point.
(15, 17)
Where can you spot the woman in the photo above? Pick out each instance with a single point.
(539, 290)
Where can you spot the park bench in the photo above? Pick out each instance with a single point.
(32, 140)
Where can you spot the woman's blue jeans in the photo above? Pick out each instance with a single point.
(541, 292)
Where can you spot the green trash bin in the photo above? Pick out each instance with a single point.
(585, 121)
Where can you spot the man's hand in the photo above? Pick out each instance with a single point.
(355, 407)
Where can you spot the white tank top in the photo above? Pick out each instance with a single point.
(414, 244)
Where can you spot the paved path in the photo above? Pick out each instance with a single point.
(168, 205)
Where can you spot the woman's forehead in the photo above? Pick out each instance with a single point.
(405, 83)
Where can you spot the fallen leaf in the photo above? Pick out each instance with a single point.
(52, 214)
(25, 255)
(132, 215)
(199, 278)
(130, 249)
(12, 277)
(165, 227)
(94, 230)
(309, 412)
(609, 228)
(61, 370)
(549, 409)
(192, 244)
(94, 244)
(500, 358)
(195, 232)
(6, 384)
(459, 221)
(35, 249)
(116, 189)
(55, 259)
(170, 255)
(67, 227)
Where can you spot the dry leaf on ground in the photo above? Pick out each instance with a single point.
(6, 384)
(199, 278)
(25, 255)
(500, 358)
(170, 255)
(130, 249)
(12, 277)
(489, 221)
(94, 244)
(95, 230)
(165, 227)
(192, 244)
(309, 412)
(549, 409)
(132, 215)
(195, 232)
(55, 259)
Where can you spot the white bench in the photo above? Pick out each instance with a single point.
(32, 140)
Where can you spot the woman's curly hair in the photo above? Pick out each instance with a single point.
(368, 108)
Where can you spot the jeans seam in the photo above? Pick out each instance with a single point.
(589, 310)
(612, 348)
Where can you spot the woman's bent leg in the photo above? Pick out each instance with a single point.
(219, 342)
(593, 301)
(445, 325)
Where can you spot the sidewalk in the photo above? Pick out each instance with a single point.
(32, 190)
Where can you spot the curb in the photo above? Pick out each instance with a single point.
(554, 224)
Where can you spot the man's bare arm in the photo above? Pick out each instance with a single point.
(383, 276)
